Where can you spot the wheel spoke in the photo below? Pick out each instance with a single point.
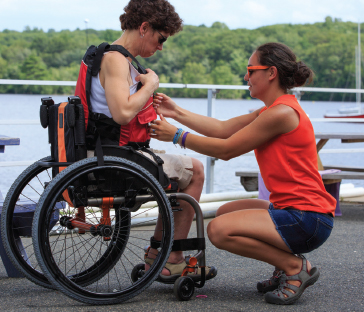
(97, 265)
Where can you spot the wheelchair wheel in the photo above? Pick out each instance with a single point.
(16, 220)
(184, 287)
(90, 253)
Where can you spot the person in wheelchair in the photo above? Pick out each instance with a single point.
(298, 217)
(122, 94)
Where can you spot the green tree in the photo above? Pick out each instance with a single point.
(197, 55)
(223, 75)
(33, 68)
(194, 73)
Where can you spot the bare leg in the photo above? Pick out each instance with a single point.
(182, 219)
(250, 232)
(242, 204)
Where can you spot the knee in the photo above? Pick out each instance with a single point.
(215, 234)
(198, 171)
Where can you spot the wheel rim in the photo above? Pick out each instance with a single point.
(105, 266)
(186, 288)
(16, 227)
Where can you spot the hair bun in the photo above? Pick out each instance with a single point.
(302, 73)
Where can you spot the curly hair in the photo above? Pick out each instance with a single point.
(160, 14)
(291, 73)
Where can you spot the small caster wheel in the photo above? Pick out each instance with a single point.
(184, 287)
(137, 272)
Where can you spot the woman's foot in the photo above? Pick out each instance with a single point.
(291, 287)
(270, 284)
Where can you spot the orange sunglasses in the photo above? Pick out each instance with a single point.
(252, 68)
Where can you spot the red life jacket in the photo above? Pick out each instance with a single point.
(111, 133)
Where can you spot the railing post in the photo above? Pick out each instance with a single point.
(297, 94)
(210, 161)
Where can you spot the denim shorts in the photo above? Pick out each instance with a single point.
(302, 231)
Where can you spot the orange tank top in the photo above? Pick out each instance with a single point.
(288, 164)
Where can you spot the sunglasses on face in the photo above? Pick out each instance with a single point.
(250, 69)
(162, 39)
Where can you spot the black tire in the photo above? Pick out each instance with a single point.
(23, 195)
(184, 288)
(137, 272)
(105, 266)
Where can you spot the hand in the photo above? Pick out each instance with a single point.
(150, 79)
(162, 130)
(164, 105)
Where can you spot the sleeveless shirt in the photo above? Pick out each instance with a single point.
(288, 164)
(98, 99)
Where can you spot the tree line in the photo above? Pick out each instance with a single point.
(196, 55)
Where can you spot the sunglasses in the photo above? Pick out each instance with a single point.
(161, 40)
(250, 69)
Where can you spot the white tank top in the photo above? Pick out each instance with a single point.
(97, 97)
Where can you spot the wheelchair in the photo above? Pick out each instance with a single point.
(88, 239)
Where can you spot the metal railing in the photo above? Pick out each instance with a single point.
(212, 90)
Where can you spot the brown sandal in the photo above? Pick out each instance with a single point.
(176, 270)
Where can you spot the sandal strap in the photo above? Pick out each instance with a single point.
(302, 276)
(282, 292)
(175, 268)
(149, 261)
(289, 286)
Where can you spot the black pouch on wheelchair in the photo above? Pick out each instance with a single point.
(66, 131)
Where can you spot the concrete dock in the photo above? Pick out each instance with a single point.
(340, 260)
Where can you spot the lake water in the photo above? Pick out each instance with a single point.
(34, 139)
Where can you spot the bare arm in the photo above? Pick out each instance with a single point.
(114, 77)
(278, 120)
(207, 126)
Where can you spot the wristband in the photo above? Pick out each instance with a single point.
(178, 133)
(184, 139)
(179, 136)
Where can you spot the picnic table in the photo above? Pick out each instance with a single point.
(10, 269)
(345, 137)
(5, 140)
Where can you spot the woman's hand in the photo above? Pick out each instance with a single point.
(162, 130)
(164, 105)
(150, 80)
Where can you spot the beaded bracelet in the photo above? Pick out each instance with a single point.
(177, 135)
(184, 139)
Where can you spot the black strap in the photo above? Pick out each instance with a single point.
(155, 244)
(189, 244)
(139, 145)
(182, 244)
(159, 161)
(98, 57)
(103, 117)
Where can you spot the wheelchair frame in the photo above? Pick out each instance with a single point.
(73, 285)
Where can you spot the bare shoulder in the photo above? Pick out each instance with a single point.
(115, 62)
(282, 117)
